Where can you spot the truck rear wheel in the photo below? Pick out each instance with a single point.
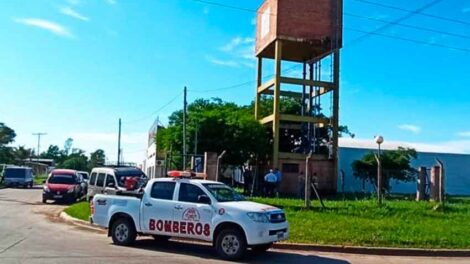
(230, 244)
(123, 232)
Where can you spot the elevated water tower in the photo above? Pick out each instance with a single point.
(308, 33)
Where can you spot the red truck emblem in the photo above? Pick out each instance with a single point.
(191, 214)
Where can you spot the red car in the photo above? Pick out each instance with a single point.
(62, 185)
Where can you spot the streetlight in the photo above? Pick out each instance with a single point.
(379, 140)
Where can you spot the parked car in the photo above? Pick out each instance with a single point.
(62, 185)
(85, 178)
(18, 176)
(85, 175)
(191, 208)
(110, 180)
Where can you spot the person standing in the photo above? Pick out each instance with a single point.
(247, 180)
(270, 181)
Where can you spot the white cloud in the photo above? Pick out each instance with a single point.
(240, 51)
(452, 146)
(110, 2)
(464, 134)
(411, 128)
(72, 13)
(236, 42)
(50, 26)
(228, 63)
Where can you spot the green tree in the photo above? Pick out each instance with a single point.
(75, 163)
(21, 153)
(7, 136)
(220, 126)
(97, 159)
(54, 152)
(396, 165)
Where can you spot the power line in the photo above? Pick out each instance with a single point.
(409, 40)
(156, 111)
(422, 14)
(242, 84)
(418, 11)
(375, 32)
(408, 26)
(227, 6)
(391, 23)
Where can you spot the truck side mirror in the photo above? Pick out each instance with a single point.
(204, 199)
(111, 185)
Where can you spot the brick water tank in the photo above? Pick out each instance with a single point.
(308, 28)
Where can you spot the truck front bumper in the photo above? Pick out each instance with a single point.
(259, 234)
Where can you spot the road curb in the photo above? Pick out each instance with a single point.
(411, 252)
(80, 223)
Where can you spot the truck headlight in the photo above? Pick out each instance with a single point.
(46, 189)
(70, 190)
(258, 217)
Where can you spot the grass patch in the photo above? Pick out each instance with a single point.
(79, 210)
(39, 179)
(397, 223)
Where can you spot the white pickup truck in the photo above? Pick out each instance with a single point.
(191, 208)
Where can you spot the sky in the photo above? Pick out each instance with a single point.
(72, 68)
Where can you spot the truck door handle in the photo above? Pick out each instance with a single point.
(178, 207)
(148, 204)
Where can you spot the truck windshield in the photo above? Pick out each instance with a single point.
(61, 179)
(223, 193)
(15, 173)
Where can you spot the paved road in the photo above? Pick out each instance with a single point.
(30, 232)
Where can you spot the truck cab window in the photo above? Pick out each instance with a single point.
(163, 190)
(189, 193)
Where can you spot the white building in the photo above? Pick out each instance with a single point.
(151, 165)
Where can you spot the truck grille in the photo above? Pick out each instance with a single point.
(277, 217)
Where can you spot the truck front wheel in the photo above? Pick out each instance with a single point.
(230, 244)
(123, 232)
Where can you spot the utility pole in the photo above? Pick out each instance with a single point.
(119, 144)
(39, 141)
(184, 126)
